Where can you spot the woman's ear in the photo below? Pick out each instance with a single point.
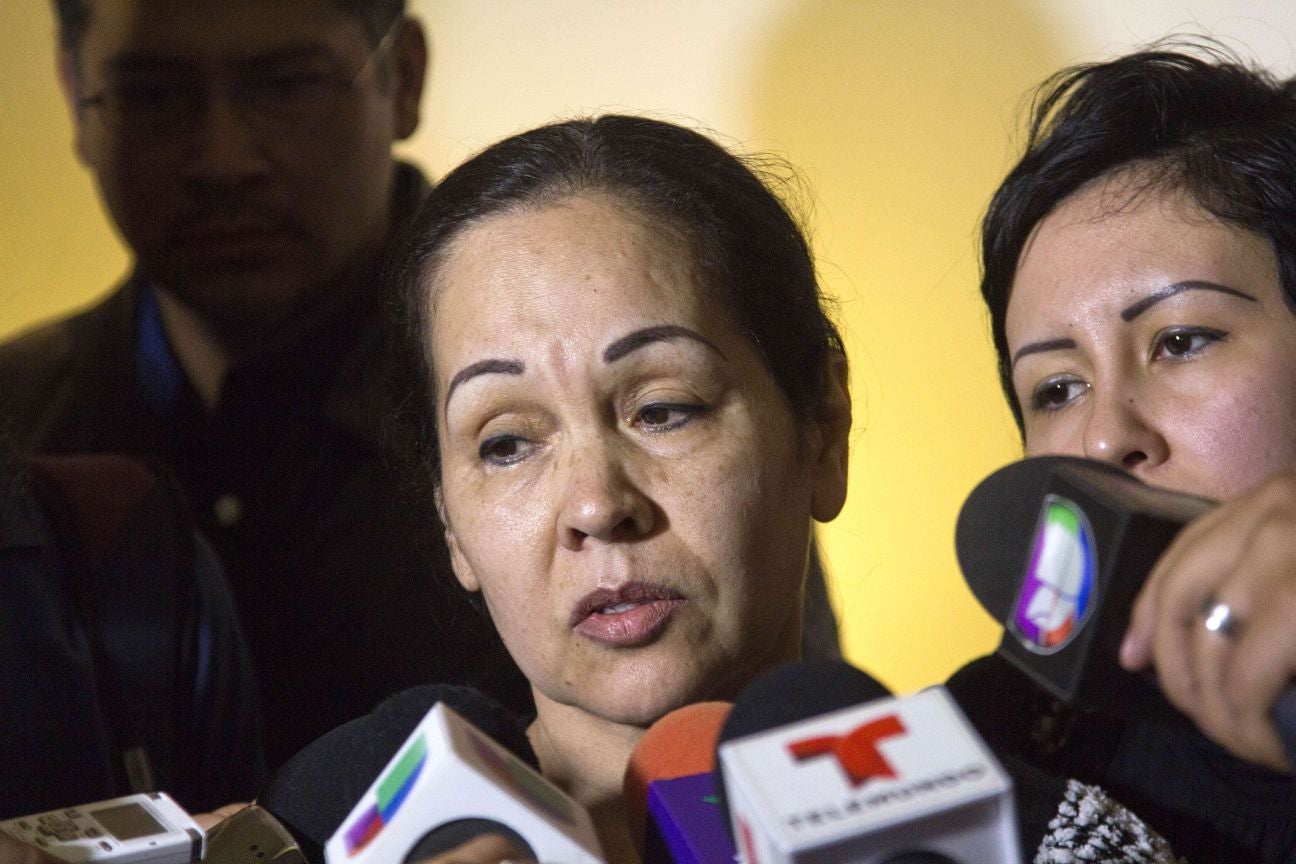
(462, 570)
(832, 458)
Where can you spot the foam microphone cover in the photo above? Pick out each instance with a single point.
(1004, 707)
(315, 790)
(797, 691)
(996, 526)
(790, 693)
(679, 744)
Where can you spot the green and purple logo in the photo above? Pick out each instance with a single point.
(1057, 593)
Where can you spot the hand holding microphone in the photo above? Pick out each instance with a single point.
(1217, 620)
(1058, 549)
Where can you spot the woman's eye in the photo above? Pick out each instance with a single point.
(1185, 343)
(504, 449)
(663, 416)
(1056, 393)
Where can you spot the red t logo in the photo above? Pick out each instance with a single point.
(856, 751)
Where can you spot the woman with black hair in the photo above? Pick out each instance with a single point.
(633, 408)
(1139, 265)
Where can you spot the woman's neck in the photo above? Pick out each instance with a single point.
(586, 756)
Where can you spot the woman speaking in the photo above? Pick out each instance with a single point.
(633, 409)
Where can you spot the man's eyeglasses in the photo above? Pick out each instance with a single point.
(292, 95)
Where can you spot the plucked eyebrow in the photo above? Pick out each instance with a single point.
(1129, 313)
(482, 367)
(649, 335)
(1039, 347)
(620, 348)
(1132, 311)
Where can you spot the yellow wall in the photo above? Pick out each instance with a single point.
(902, 116)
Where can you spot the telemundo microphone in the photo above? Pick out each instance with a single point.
(669, 790)
(1056, 549)
(883, 781)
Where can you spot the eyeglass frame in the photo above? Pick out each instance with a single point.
(197, 98)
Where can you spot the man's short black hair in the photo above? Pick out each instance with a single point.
(1186, 115)
(376, 16)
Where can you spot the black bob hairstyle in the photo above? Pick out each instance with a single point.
(1185, 115)
(746, 243)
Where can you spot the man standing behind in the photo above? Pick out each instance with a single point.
(243, 148)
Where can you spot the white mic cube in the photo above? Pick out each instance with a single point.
(867, 783)
(446, 771)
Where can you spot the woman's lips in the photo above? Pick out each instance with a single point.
(631, 615)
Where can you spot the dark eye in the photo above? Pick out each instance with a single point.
(504, 449)
(663, 416)
(1186, 343)
(142, 102)
(292, 93)
(1056, 393)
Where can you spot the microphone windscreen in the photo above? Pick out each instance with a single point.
(996, 526)
(797, 691)
(679, 744)
(315, 790)
(1014, 716)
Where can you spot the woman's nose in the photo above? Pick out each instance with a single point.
(1124, 433)
(601, 501)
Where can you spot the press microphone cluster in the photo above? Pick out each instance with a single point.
(1056, 549)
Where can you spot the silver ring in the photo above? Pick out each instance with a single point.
(1220, 618)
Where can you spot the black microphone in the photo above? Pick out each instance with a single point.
(1056, 549)
(315, 791)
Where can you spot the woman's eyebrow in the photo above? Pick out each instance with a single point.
(1038, 347)
(648, 335)
(1129, 313)
(482, 367)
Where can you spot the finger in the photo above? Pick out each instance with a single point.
(1214, 651)
(1176, 644)
(1138, 646)
(14, 851)
(207, 821)
(483, 849)
(1262, 668)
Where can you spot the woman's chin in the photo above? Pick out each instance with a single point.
(645, 700)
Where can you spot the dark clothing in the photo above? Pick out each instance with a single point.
(342, 583)
(119, 650)
(1208, 804)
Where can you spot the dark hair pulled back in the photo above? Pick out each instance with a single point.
(754, 256)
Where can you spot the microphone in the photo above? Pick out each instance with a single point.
(875, 780)
(669, 789)
(448, 783)
(1056, 549)
(317, 790)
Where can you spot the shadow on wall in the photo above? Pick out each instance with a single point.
(904, 117)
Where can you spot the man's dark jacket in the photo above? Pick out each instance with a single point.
(341, 580)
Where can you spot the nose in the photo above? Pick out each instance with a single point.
(601, 502)
(226, 148)
(1123, 432)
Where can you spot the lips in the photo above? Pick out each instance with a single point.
(626, 617)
